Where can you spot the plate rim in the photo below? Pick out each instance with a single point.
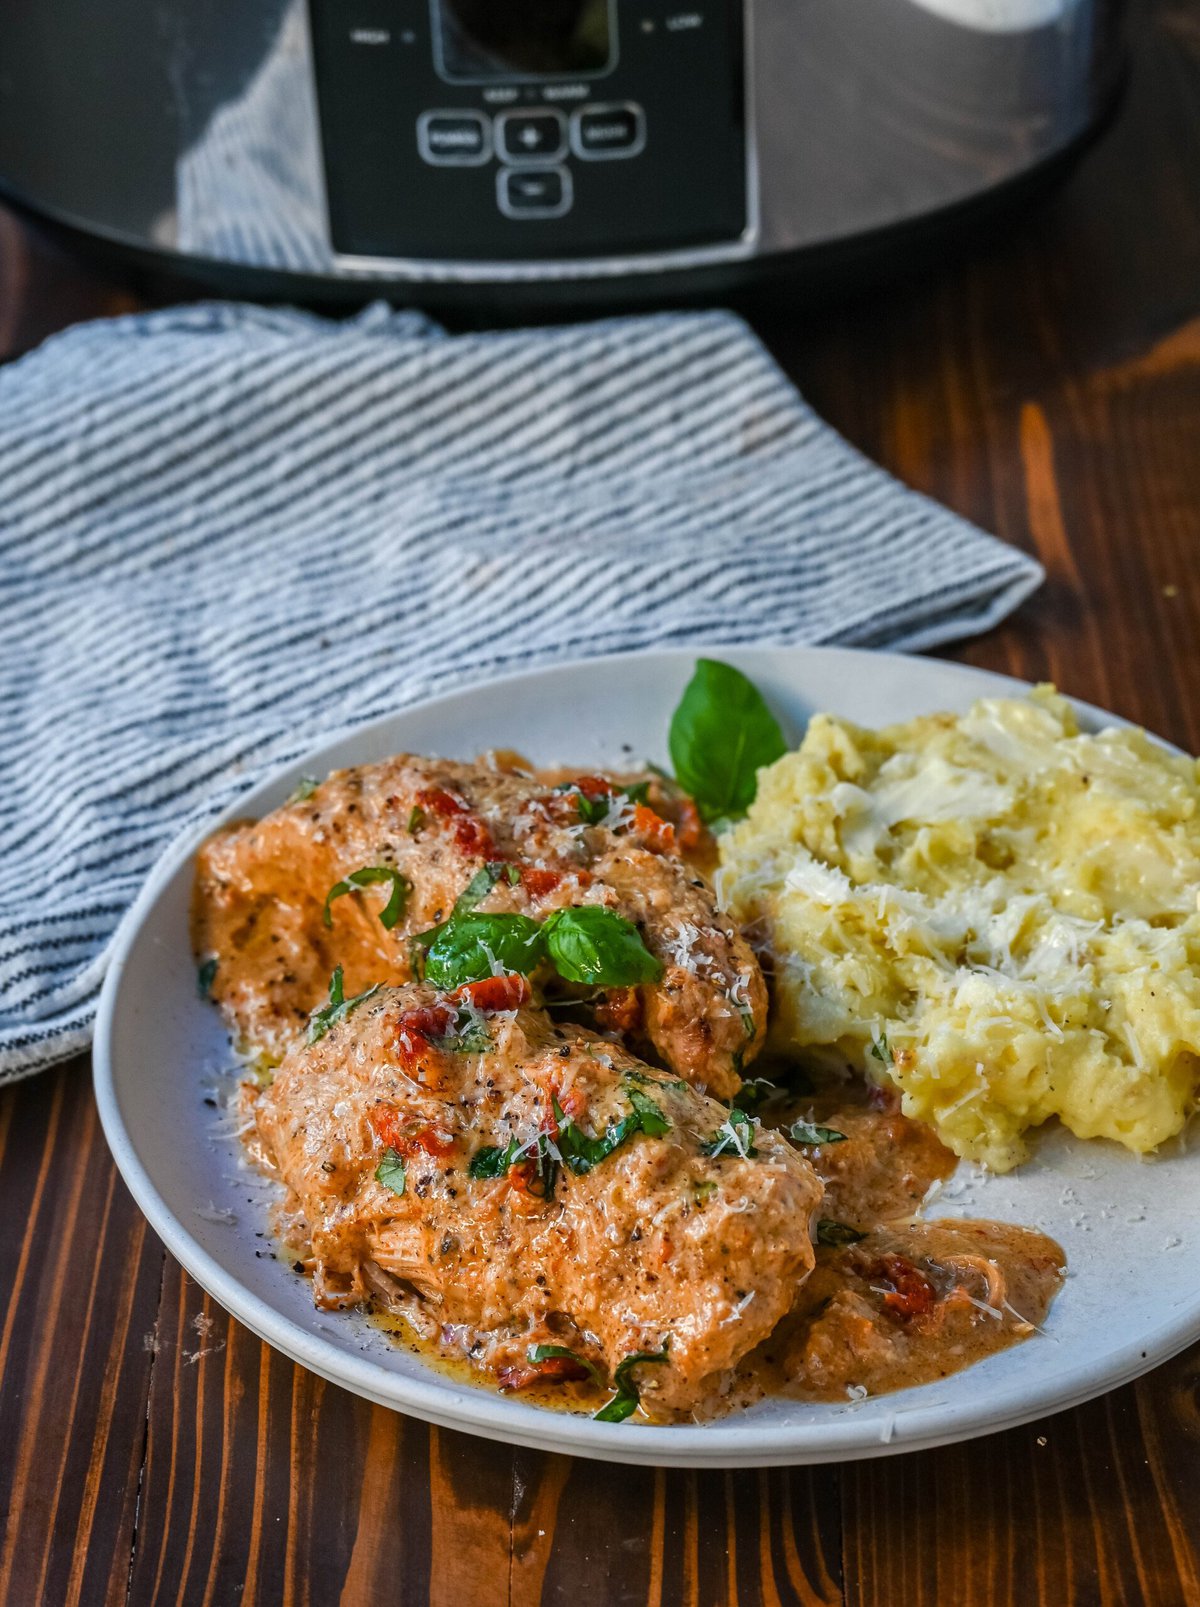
(727, 1442)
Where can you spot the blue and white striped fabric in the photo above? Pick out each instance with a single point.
(226, 531)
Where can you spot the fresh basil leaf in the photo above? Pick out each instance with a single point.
(638, 792)
(596, 946)
(881, 1049)
(808, 1133)
(837, 1234)
(735, 1136)
(206, 975)
(390, 1172)
(537, 1353)
(626, 1400)
(338, 1008)
(721, 735)
(466, 947)
(305, 788)
(369, 876)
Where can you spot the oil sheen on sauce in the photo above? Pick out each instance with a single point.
(899, 1301)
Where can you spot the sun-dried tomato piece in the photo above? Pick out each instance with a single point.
(470, 833)
(537, 883)
(690, 830)
(387, 1125)
(911, 1293)
(555, 1369)
(414, 1030)
(395, 1132)
(657, 834)
(440, 802)
(493, 993)
(473, 838)
(594, 786)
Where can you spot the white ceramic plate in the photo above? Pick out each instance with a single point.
(1132, 1238)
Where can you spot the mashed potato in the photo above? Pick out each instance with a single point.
(1001, 912)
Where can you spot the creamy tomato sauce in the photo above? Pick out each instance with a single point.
(777, 1240)
(905, 1302)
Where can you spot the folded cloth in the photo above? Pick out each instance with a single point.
(226, 531)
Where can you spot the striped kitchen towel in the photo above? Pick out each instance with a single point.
(225, 532)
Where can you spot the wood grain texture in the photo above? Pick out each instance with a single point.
(153, 1451)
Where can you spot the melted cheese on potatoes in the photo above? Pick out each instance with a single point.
(999, 910)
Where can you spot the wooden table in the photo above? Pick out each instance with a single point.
(152, 1450)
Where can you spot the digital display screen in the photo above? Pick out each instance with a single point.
(489, 39)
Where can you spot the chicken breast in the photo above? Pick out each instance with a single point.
(416, 832)
(509, 1183)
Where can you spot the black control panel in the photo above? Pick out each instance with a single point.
(523, 130)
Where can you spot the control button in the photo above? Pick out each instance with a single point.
(531, 136)
(602, 133)
(534, 192)
(454, 139)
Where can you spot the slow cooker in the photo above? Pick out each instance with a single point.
(534, 150)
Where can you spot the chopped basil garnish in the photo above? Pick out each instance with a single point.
(338, 1008)
(305, 788)
(594, 945)
(625, 1402)
(881, 1049)
(735, 1136)
(468, 1036)
(390, 1172)
(721, 735)
(753, 1092)
(470, 947)
(481, 884)
(655, 1079)
(704, 1188)
(592, 811)
(490, 1161)
(654, 1124)
(206, 976)
(493, 1162)
(837, 1234)
(416, 820)
(807, 1133)
(369, 876)
(581, 1152)
(537, 1353)
(578, 1150)
(747, 1022)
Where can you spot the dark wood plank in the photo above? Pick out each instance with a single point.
(661, 1537)
(79, 1286)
